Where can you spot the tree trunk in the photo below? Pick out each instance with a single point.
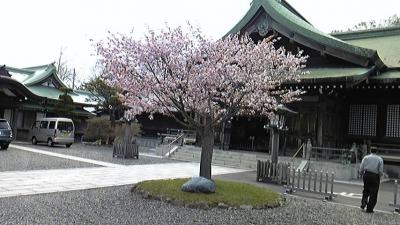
(207, 140)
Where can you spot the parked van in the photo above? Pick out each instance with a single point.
(5, 134)
(53, 131)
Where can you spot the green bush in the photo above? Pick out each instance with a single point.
(98, 128)
(119, 131)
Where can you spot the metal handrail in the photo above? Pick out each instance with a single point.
(330, 149)
(172, 142)
(295, 154)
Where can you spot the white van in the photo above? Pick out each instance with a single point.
(53, 131)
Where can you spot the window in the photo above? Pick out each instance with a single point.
(52, 124)
(362, 120)
(65, 126)
(393, 121)
(4, 125)
(43, 124)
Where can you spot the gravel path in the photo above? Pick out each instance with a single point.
(17, 160)
(100, 153)
(117, 205)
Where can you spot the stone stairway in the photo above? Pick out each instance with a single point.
(237, 159)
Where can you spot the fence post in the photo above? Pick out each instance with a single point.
(332, 180)
(304, 180)
(326, 182)
(293, 178)
(395, 193)
(298, 178)
(315, 180)
(320, 181)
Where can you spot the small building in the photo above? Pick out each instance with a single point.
(30, 93)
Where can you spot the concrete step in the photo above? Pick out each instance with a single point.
(223, 158)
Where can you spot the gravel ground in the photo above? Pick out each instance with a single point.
(18, 160)
(100, 153)
(117, 205)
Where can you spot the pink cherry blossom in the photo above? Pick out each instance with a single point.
(206, 82)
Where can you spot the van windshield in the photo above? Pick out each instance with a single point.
(65, 126)
(4, 125)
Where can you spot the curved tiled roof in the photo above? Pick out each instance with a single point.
(283, 15)
(385, 40)
(32, 78)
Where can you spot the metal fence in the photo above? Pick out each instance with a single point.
(340, 155)
(395, 204)
(311, 181)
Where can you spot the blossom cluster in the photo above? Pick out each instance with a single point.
(173, 71)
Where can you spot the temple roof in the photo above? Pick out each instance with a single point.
(385, 40)
(34, 78)
(279, 16)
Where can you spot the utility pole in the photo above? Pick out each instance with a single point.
(73, 80)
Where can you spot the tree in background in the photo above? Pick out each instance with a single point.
(206, 82)
(392, 21)
(65, 73)
(65, 104)
(105, 96)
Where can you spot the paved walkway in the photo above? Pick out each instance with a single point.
(17, 183)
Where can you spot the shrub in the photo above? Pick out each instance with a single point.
(119, 131)
(98, 128)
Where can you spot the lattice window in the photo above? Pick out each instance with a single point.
(355, 120)
(393, 121)
(362, 120)
(369, 120)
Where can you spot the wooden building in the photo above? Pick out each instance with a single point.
(30, 93)
(352, 85)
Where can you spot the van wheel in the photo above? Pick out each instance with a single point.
(68, 145)
(34, 141)
(50, 143)
(4, 147)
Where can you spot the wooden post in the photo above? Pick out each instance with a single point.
(320, 126)
(308, 149)
(274, 145)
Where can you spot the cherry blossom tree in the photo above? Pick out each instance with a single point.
(205, 82)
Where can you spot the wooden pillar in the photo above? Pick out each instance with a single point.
(14, 122)
(320, 124)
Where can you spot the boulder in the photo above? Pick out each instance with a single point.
(199, 185)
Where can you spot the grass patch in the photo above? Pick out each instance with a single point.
(230, 193)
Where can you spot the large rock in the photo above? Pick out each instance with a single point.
(199, 185)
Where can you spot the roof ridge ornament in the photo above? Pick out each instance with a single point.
(4, 71)
(263, 27)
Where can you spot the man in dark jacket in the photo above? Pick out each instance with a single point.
(371, 170)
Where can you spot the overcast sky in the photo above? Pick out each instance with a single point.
(33, 31)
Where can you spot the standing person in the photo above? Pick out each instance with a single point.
(371, 170)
